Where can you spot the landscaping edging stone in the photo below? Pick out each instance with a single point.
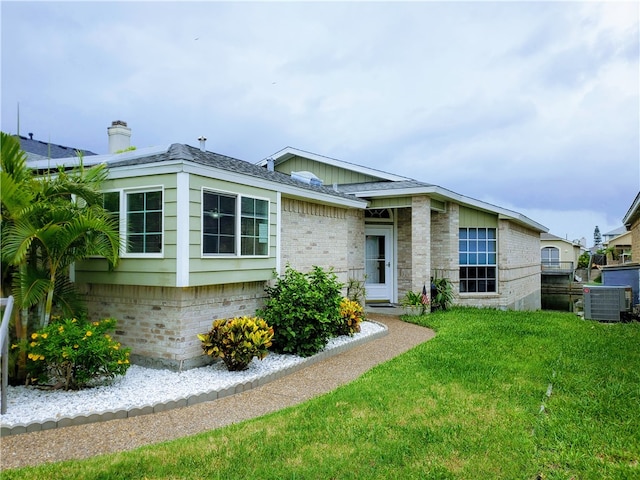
(191, 400)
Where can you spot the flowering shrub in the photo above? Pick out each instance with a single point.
(73, 352)
(351, 314)
(237, 340)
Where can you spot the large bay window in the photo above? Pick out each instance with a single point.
(234, 223)
(478, 260)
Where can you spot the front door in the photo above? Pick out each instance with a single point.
(379, 263)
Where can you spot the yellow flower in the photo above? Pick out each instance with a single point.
(96, 323)
(89, 333)
(119, 362)
(76, 346)
(14, 346)
(34, 335)
(33, 344)
(30, 356)
(41, 357)
(45, 335)
(60, 329)
(65, 354)
(74, 320)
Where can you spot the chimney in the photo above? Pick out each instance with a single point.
(270, 164)
(119, 136)
(202, 139)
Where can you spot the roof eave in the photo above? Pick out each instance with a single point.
(633, 213)
(448, 195)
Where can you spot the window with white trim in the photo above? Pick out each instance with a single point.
(550, 256)
(140, 216)
(144, 221)
(224, 232)
(478, 260)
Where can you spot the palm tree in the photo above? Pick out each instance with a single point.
(48, 223)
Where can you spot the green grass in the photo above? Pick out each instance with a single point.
(466, 405)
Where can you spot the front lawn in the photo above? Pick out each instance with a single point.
(513, 395)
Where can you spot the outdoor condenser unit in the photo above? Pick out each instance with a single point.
(606, 303)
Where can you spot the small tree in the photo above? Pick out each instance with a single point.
(49, 221)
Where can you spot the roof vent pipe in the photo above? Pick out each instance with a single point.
(202, 139)
(270, 164)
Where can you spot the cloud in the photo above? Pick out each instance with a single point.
(534, 103)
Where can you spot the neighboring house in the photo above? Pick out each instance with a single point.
(606, 237)
(39, 150)
(558, 254)
(204, 233)
(618, 249)
(632, 223)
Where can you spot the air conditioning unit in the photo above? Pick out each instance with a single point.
(606, 303)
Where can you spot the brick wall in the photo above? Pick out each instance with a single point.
(160, 324)
(403, 254)
(444, 246)
(324, 236)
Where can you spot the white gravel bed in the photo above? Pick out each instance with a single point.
(145, 386)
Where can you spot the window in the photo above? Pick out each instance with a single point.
(478, 259)
(221, 224)
(111, 203)
(550, 256)
(140, 217)
(144, 222)
(254, 226)
(218, 223)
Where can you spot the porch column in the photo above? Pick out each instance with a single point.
(420, 243)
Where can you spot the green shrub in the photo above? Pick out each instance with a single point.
(351, 315)
(237, 340)
(304, 310)
(443, 298)
(72, 353)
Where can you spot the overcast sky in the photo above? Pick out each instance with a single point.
(530, 106)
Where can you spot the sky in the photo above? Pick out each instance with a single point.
(530, 106)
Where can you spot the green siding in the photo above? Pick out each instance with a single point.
(439, 205)
(222, 269)
(327, 173)
(395, 202)
(140, 271)
(477, 218)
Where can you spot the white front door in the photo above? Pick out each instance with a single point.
(379, 263)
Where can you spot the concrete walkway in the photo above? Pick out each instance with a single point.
(83, 441)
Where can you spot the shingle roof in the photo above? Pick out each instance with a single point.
(380, 186)
(38, 150)
(178, 151)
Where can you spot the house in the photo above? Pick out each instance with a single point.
(610, 235)
(618, 249)
(631, 222)
(413, 231)
(203, 233)
(39, 150)
(557, 254)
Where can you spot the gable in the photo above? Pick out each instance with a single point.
(329, 174)
(470, 217)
